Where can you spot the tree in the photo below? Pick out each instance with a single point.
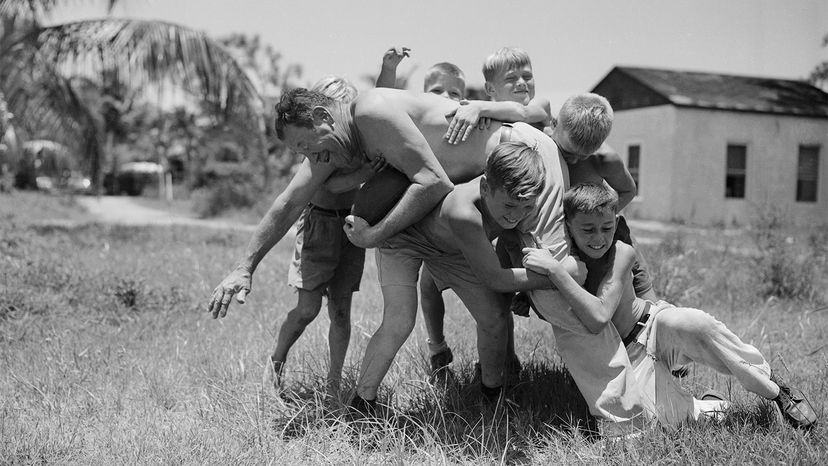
(41, 66)
(819, 75)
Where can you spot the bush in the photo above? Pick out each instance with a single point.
(223, 186)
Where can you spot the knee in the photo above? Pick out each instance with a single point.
(304, 315)
(690, 322)
(339, 311)
(494, 325)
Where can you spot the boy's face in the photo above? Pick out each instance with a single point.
(592, 233)
(451, 87)
(513, 85)
(504, 209)
(569, 151)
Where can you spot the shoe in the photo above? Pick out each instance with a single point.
(520, 304)
(491, 394)
(512, 372)
(363, 406)
(441, 359)
(712, 405)
(796, 410)
(272, 375)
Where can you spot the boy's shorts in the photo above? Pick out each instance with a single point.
(401, 256)
(323, 256)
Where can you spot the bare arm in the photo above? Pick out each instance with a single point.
(389, 130)
(595, 312)
(390, 60)
(466, 117)
(615, 173)
(284, 211)
(467, 226)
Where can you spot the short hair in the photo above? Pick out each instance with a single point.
(589, 198)
(587, 119)
(336, 88)
(503, 60)
(517, 168)
(442, 68)
(295, 107)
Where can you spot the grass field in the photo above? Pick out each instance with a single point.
(108, 356)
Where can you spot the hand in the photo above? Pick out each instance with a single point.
(237, 283)
(539, 261)
(378, 164)
(464, 120)
(394, 56)
(358, 232)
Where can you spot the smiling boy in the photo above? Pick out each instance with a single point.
(658, 339)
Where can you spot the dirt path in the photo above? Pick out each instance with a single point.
(125, 211)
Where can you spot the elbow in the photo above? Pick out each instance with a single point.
(597, 326)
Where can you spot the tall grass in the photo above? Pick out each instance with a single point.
(108, 356)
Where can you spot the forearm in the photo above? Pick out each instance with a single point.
(270, 230)
(512, 280)
(589, 309)
(387, 77)
(417, 201)
(624, 199)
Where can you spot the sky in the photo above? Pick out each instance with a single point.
(573, 44)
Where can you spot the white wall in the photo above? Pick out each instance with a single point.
(683, 153)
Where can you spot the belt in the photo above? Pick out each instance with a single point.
(639, 326)
(333, 212)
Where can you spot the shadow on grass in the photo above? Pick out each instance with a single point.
(452, 415)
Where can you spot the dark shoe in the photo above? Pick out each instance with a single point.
(681, 372)
(491, 394)
(520, 304)
(512, 372)
(796, 410)
(363, 406)
(441, 360)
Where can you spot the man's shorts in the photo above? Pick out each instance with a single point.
(400, 257)
(323, 256)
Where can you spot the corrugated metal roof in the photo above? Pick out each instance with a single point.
(728, 92)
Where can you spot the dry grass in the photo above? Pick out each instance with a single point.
(109, 357)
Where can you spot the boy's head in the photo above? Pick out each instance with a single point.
(513, 179)
(336, 88)
(447, 80)
(508, 75)
(590, 211)
(584, 122)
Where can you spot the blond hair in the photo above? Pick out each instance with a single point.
(587, 119)
(336, 88)
(504, 59)
(517, 168)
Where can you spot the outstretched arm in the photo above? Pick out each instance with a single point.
(390, 60)
(594, 311)
(284, 211)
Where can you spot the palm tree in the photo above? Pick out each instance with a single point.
(42, 68)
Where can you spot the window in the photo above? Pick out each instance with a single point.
(735, 171)
(634, 164)
(807, 174)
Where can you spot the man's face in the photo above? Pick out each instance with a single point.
(569, 151)
(513, 85)
(506, 210)
(447, 86)
(319, 144)
(592, 233)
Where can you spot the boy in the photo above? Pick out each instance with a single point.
(657, 339)
(454, 242)
(325, 263)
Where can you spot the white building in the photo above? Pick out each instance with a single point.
(710, 149)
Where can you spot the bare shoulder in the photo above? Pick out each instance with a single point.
(624, 254)
(460, 205)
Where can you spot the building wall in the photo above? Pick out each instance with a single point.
(690, 185)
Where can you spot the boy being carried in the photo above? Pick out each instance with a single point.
(658, 339)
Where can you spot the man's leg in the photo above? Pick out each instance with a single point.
(306, 310)
(398, 318)
(339, 334)
(434, 311)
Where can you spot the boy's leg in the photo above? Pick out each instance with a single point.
(489, 310)
(399, 315)
(306, 310)
(434, 310)
(339, 334)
